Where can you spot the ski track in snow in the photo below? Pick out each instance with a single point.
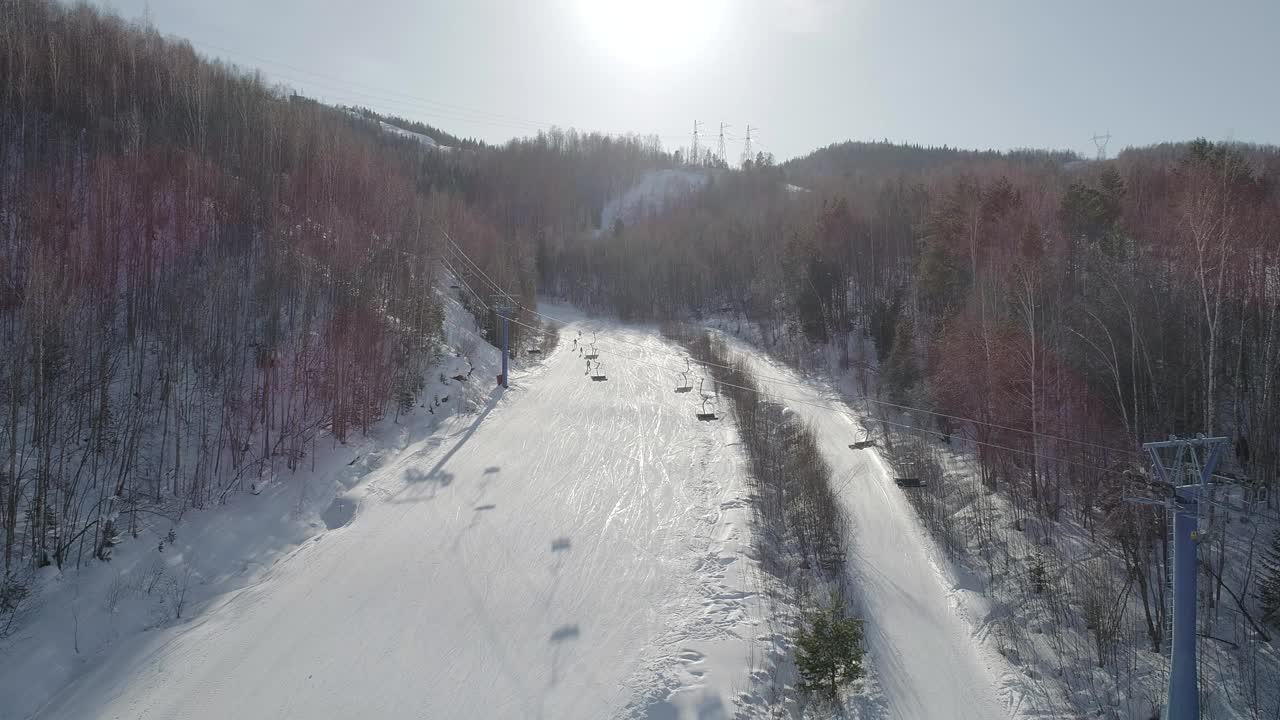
(921, 637)
(574, 549)
(571, 550)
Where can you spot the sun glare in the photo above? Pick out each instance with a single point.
(652, 33)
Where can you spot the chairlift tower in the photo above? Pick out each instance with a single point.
(503, 306)
(1189, 480)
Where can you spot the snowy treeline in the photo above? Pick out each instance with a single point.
(200, 278)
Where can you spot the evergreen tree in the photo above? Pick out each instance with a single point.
(829, 651)
(901, 373)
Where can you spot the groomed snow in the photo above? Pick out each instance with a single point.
(921, 627)
(568, 549)
(572, 549)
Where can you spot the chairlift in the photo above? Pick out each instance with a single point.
(909, 482)
(593, 354)
(865, 442)
(598, 375)
(704, 415)
(684, 385)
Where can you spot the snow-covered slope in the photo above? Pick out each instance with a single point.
(573, 549)
(569, 549)
(650, 193)
(396, 130)
(922, 633)
(180, 562)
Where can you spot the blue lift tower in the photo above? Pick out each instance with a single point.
(1188, 474)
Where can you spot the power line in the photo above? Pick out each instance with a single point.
(458, 250)
(829, 408)
(473, 264)
(784, 381)
(804, 386)
(462, 280)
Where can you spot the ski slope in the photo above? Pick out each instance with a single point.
(574, 549)
(928, 659)
(425, 140)
(650, 194)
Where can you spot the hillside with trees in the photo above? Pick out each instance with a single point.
(198, 274)
(1029, 317)
(203, 277)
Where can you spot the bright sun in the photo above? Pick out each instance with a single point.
(653, 33)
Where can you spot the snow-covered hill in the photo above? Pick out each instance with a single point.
(572, 549)
(426, 140)
(569, 548)
(650, 193)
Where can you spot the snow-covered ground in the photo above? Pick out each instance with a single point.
(923, 621)
(426, 140)
(650, 194)
(568, 549)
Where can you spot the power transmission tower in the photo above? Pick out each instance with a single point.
(693, 152)
(1100, 142)
(502, 305)
(1188, 479)
(746, 145)
(720, 148)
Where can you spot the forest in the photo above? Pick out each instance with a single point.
(1035, 315)
(202, 276)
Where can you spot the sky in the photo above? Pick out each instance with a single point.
(802, 73)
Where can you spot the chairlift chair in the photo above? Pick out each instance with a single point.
(909, 482)
(704, 415)
(597, 375)
(593, 354)
(865, 442)
(684, 385)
